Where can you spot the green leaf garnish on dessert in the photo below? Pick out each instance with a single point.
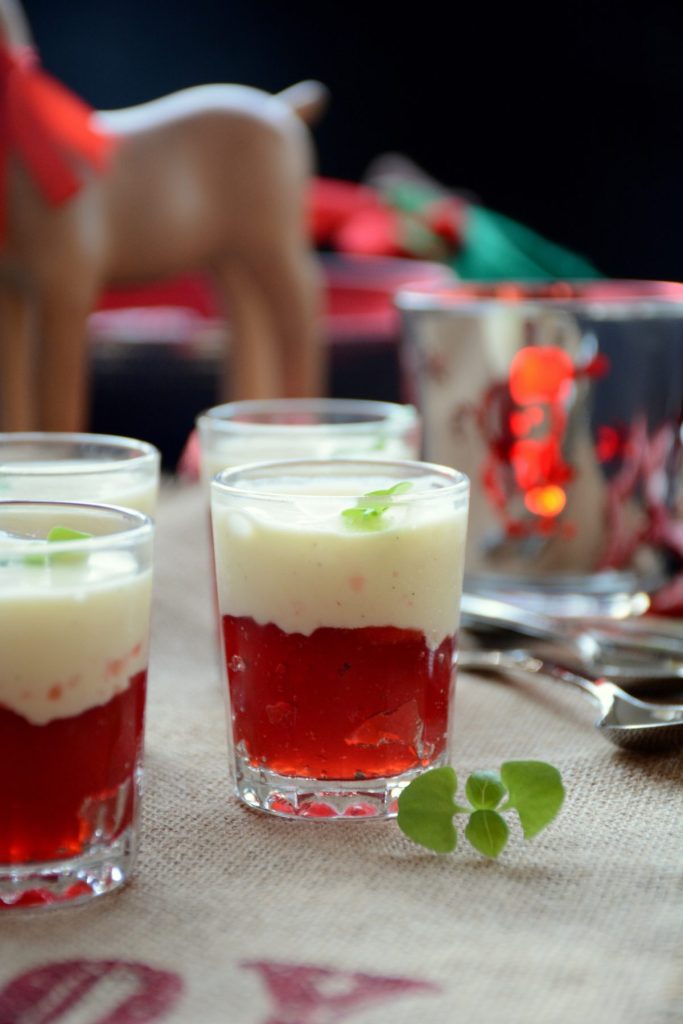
(427, 806)
(369, 508)
(58, 534)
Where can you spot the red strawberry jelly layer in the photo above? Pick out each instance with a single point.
(60, 781)
(340, 704)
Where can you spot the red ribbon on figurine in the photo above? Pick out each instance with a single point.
(46, 126)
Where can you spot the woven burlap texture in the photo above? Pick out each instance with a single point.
(584, 923)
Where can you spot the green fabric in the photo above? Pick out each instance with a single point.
(410, 196)
(496, 247)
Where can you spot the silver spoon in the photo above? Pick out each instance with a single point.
(617, 650)
(624, 720)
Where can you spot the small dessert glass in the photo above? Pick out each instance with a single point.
(305, 428)
(79, 467)
(339, 587)
(75, 591)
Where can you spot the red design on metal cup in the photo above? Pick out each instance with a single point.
(523, 421)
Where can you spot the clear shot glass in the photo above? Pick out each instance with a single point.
(75, 590)
(305, 428)
(80, 467)
(339, 588)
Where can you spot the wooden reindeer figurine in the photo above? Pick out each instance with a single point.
(209, 179)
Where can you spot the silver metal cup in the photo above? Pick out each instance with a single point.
(563, 403)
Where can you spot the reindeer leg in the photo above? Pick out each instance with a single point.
(63, 377)
(17, 392)
(288, 283)
(252, 370)
(248, 371)
(273, 301)
(269, 273)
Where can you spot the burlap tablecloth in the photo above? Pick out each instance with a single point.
(236, 917)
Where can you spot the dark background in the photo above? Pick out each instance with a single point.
(565, 117)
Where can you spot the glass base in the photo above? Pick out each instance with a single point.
(322, 799)
(67, 882)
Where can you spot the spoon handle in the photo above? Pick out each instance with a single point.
(627, 640)
(525, 661)
(478, 612)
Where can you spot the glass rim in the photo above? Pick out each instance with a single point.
(457, 486)
(143, 453)
(520, 293)
(141, 529)
(385, 413)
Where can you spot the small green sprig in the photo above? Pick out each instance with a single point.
(427, 806)
(369, 508)
(56, 535)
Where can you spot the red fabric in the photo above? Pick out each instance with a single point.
(371, 232)
(189, 291)
(360, 220)
(46, 125)
(446, 218)
(332, 202)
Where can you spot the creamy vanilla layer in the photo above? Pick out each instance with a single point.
(302, 567)
(298, 443)
(67, 481)
(72, 634)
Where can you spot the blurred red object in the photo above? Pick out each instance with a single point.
(359, 313)
(331, 203)
(48, 127)
(359, 292)
(357, 219)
